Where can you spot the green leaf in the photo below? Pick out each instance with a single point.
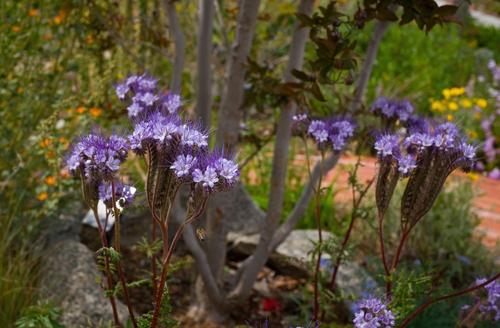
(446, 10)
(302, 76)
(316, 91)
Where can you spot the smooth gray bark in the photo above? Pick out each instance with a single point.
(280, 165)
(366, 69)
(204, 82)
(180, 45)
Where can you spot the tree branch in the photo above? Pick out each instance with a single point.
(280, 164)
(201, 261)
(366, 70)
(301, 206)
(180, 45)
(204, 94)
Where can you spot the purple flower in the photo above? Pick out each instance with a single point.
(155, 128)
(406, 164)
(145, 98)
(373, 313)
(318, 130)
(468, 151)
(171, 102)
(98, 156)
(122, 90)
(191, 136)
(492, 305)
(387, 145)
(183, 164)
(494, 174)
(392, 108)
(228, 169)
(124, 194)
(207, 177)
(134, 109)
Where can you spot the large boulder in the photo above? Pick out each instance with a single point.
(68, 278)
(292, 257)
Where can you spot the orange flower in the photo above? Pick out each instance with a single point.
(42, 196)
(50, 154)
(45, 142)
(58, 20)
(47, 37)
(64, 173)
(50, 180)
(33, 12)
(96, 112)
(81, 110)
(89, 39)
(16, 29)
(20, 90)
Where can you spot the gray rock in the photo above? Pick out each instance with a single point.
(239, 210)
(292, 256)
(68, 279)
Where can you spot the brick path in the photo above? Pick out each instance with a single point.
(486, 203)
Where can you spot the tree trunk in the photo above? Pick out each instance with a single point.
(204, 92)
(180, 45)
(366, 70)
(229, 117)
(280, 165)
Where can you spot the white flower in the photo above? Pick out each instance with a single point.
(208, 179)
(228, 169)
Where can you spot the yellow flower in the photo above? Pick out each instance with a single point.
(33, 12)
(473, 176)
(466, 103)
(96, 112)
(446, 93)
(453, 106)
(449, 117)
(57, 20)
(472, 134)
(42, 196)
(45, 142)
(457, 91)
(16, 29)
(81, 110)
(482, 103)
(50, 180)
(437, 106)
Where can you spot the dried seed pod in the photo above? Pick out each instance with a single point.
(386, 183)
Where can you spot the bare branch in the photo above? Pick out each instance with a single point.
(204, 94)
(366, 70)
(301, 206)
(180, 45)
(201, 261)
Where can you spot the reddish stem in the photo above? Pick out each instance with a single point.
(107, 270)
(425, 305)
(382, 246)
(121, 274)
(320, 240)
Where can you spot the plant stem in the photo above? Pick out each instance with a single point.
(320, 240)
(166, 261)
(381, 240)
(121, 274)
(107, 270)
(425, 305)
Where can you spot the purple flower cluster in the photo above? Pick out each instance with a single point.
(98, 157)
(492, 305)
(124, 194)
(373, 313)
(333, 131)
(141, 93)
(392, 109)
(444, 139)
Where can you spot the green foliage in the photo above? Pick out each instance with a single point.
(409, 286)
(42, 315)
(165, 318)
(418, 66)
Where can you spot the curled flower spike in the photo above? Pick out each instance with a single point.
(214, 172)
(373, 313)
